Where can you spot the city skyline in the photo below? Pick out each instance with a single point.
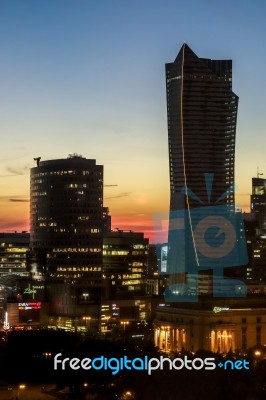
(89, 78)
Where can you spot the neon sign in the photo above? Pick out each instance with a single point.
(36, 305)
(219, 309)
(32, 290)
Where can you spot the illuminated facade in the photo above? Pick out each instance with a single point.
(125, 263)
(122, 313)
(13, 253)
(223, 327)
(202, 114)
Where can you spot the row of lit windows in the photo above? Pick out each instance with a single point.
(135, 246)
(130, 282)
(81, 269)
(16, 250)
(65, 173)
(127, 276)
(115, 253)
(77, 250)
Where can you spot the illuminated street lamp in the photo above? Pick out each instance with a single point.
(86, 319)
(127, 395)
(22, 386)
(124, 324)
(85, 295)
(47, 355)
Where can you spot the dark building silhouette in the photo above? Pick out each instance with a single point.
(107, 220)
(67, 230)
(202, 114)
(255, 229)
(258, 202)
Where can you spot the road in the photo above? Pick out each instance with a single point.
(29, 393)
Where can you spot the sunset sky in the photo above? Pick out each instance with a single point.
(87, 77)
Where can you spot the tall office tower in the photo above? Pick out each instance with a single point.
(202, 114)
(67, 220)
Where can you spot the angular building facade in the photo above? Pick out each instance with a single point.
(202, 114)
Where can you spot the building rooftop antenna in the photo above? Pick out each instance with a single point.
(37, 159)
(258, 174)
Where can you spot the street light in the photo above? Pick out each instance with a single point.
(85, 295)
(124, 324)
(46, 355)
(22, 386)
(86, 319)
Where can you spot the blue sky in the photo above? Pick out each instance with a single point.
(88, 77)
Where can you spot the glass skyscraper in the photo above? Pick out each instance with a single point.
(202, 114)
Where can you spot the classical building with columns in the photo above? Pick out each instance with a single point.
(218, 325)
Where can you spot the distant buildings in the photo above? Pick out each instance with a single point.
(125, 264)
(14, 249)
(255, 228)
(258, 202)
(13, 253)
(221, 326)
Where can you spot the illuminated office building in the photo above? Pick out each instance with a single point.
(125, 264)
(67, 226)
(13, 260)
(13, 253)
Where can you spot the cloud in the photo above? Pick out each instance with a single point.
(18, 171)
(124, 194)
(110, 185)
(6, 176)
(20, 224)
(19, 200)
(14, 171)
